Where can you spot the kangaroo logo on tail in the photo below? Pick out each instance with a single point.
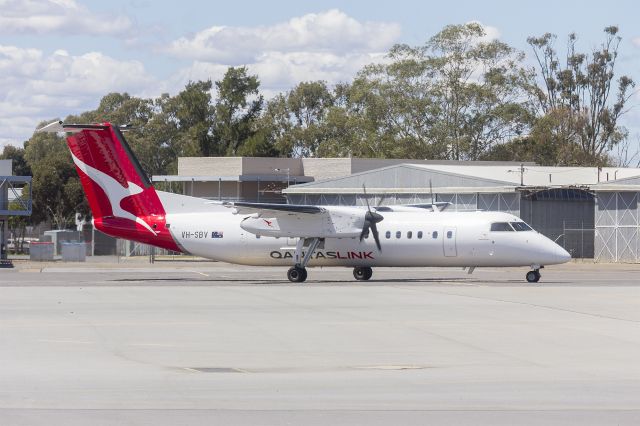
(115, 192)
(122, 199)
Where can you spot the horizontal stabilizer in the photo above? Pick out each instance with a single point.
(60, 127)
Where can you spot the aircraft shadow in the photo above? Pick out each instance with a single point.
(426, 280)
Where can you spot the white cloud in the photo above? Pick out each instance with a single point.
(331, 31)
(279, 71)
(57, 16)
(35, 86)
(328, 46)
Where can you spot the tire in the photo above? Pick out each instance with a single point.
(533, 276)
(296, 274)
(362, 273)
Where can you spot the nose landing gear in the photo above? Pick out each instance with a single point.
(534, 276)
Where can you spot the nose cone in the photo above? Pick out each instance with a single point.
(549, 252)
(562, 255)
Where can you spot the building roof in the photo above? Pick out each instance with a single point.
(542, 175)
(207, 169)
(466, 178)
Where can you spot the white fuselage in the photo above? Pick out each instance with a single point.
(408, 238)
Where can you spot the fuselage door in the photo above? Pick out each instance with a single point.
(449, 242)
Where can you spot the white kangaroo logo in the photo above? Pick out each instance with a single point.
(115, 192)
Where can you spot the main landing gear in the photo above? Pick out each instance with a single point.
(362, 273)
(298, 273)
(534, 275)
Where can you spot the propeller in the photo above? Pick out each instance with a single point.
(371, 218)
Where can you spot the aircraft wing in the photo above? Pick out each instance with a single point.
(438, 206)
(300, 221)
(273, 208)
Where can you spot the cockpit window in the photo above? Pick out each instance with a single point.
(520, 226)
(501, 226)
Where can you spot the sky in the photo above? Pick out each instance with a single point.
(59, 57)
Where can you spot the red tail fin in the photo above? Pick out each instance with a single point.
(123, 201)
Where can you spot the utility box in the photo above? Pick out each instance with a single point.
(74, 252)
(60, 236)
(41, 250)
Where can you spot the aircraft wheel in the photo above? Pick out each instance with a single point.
(297, 274)
(533, 276)
(362, 273)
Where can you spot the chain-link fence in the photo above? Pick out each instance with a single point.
(578, 239)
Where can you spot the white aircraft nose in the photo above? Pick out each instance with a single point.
(562, 255)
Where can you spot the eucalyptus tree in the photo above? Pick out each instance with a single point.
(236, 110)
(452, 98)
(581, 95)
(57, 193)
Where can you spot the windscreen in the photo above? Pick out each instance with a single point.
(520, 226)
(501, 227)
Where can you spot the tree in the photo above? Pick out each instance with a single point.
(480, 91)
(308, 104)
(19, 163)
(452, 98)
(192, 113)
(275, 127)
(236, 110)
(580, 90)
(57, 193)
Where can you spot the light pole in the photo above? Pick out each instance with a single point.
(288, 170)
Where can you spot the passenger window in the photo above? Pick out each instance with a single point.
(501, 226)
(521, 226)
(449, 234)
(434, 235)
(388, 234)
(419, 235)
(409, 235)
(398, 234)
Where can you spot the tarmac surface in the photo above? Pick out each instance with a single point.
(202, 343)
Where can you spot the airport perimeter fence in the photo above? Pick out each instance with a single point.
(578, 238)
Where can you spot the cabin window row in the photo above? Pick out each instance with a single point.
(408, 235)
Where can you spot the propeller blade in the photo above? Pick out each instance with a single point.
(365, 229)
(376, 237)
(366, 199)
(371, 218)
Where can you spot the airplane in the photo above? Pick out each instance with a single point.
(124, 204)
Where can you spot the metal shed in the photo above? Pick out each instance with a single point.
(560, 202)
(617, 222)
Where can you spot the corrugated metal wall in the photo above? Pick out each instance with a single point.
(616, 223)
(565, 219)
(504, 202)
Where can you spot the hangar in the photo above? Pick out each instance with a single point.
(592, 212)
